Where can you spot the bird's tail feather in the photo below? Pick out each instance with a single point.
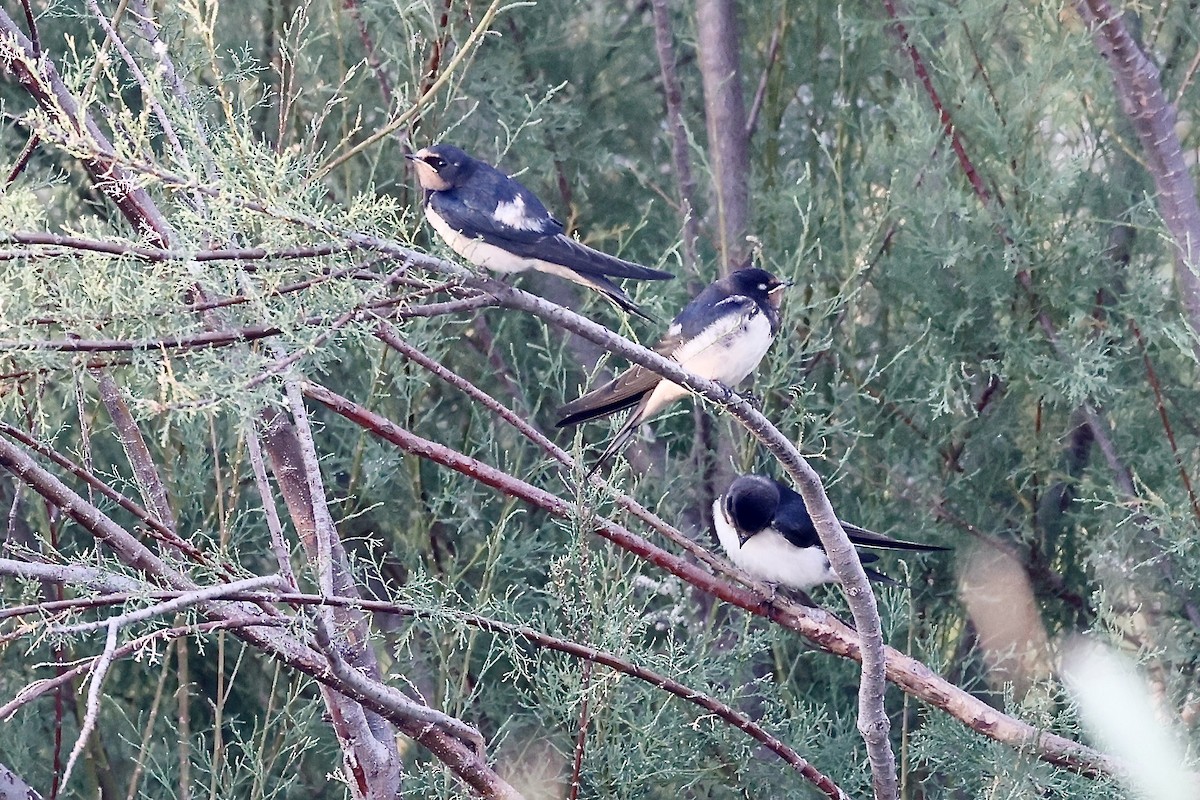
(865, 538)
(618, 442)
(580, 257)
(616, 295)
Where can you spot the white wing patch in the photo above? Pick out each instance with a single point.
(512, 213)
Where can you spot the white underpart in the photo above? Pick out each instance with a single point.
(727, 352)
(477, 251)
(497, 259)
(769, 557)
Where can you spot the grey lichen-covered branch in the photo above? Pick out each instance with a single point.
(1140, 91)
(277, 644)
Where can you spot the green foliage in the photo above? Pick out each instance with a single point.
(914, 367)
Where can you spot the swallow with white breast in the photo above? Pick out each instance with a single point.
(721, 335)
(766, 530)
(496, 223)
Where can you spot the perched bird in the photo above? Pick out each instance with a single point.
(494, 222)
(721, 335)
(766, 530)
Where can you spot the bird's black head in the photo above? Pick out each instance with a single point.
(441, 167)
(750, 503)
(758, 284)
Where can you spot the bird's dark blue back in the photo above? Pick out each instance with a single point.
(793, 520)
(705, 309)
(472, 204)
(738, 293)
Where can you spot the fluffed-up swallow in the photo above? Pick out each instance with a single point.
(496, 223)
(721, 335)
(766, 530)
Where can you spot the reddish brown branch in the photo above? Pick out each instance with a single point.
(922, 73)
(1160, 403)
(145, 471)
(826, 631)
(373, 60)
(26, 153)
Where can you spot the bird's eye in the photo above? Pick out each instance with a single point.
(437, 162)
(762, 287)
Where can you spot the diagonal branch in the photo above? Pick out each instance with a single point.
(38, 76)
(1153, 117)
(816, 625)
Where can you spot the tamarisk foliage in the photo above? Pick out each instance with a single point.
(285, 513)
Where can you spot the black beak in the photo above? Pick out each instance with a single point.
(412, 156)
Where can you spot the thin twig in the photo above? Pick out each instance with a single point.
(419, 104)
(373, 61)
(760, 94)
(149, 96)
(26, 152)
(66, 243)
(279, 546)
(99, 671)
(177, 603)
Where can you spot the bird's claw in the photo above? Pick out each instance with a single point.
(771, 596)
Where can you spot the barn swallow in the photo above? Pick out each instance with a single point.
(494, 222)
(721, 335)
(766, 530)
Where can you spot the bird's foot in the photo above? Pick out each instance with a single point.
(726, 391)
(770, 597)
(753, 400)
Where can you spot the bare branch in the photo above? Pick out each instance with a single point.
(91, 578)
(820, 627)
(1153, 117)
(278, 540)
(760, 94)
(177, 603)
(385, 83)
(154, 492)
(62, 244)
(951, 132)
(12, 786)
(99, 671)
(149, 96)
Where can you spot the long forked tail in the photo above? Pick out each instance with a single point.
(618, 442)
(614, 294)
